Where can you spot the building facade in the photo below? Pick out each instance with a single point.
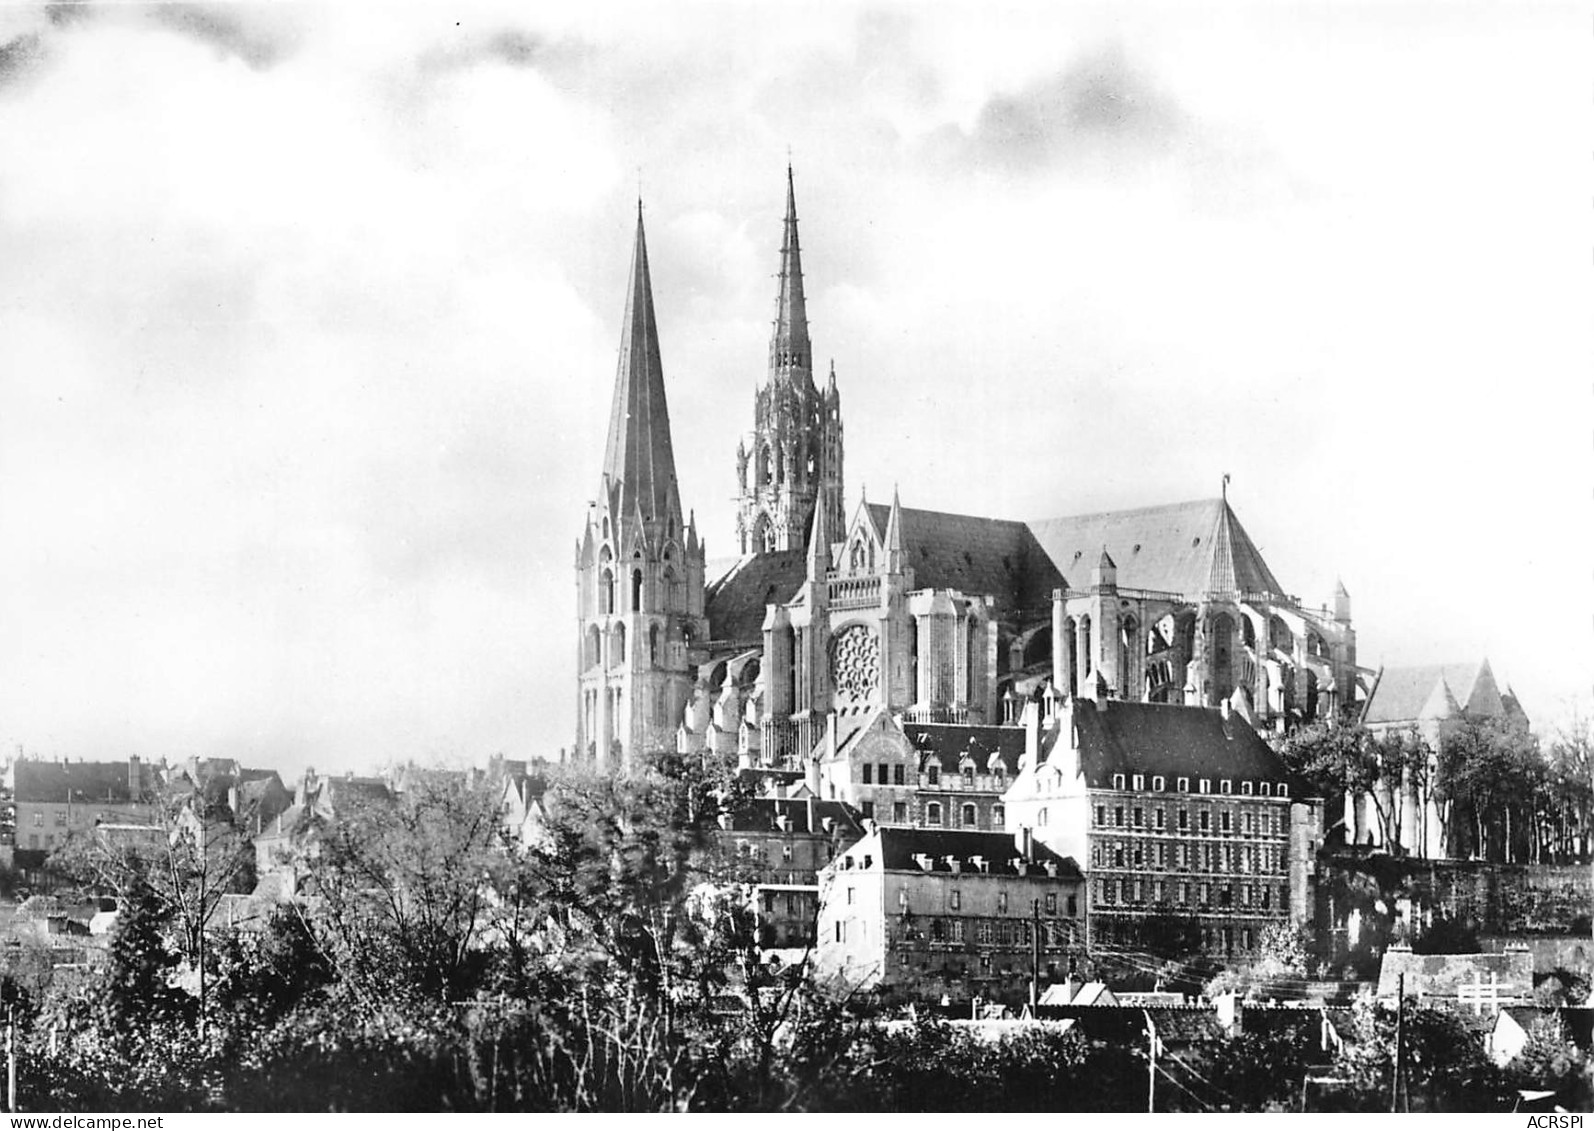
(1182, 817)
(779, 845)
(930, 914)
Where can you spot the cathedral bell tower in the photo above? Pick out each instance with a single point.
(639, 563)
(792, 460)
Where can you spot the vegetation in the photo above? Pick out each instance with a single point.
(607, 961)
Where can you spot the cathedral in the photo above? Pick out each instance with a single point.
(849, 651)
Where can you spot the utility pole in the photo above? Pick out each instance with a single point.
(11, 1058)
(1151, 1063)
(1035, 959)
(1400, 1039)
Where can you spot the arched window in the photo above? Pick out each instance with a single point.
(766, 465)
(1247, 632)
(970, 816)
(636, 591)
(932, 813)
(619, 644)
(606, 592)
(998, 815)
(653, 644)
(594, 647)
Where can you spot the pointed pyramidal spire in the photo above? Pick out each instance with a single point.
(638, 457)
(789, 346)
(819, 546)
(894, 534)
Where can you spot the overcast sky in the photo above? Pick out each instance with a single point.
(309, 316)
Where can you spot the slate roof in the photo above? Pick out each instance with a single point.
(638, 458)
(735, 601)
(946, 742)
(1173, 741)
(899, 846)
(1177, 1025)
(758, 815)
(1407, 694)
(87, 782)
(1186, 548)
(977, 556)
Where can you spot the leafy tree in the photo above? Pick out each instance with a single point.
(1338, 759)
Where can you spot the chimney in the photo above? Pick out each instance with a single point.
(1031, 719)
(1026, 842)
(811, 827)
(1051, 868)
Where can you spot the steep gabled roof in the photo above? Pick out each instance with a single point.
(83, 782)
(946, 743)
(1187, 548)
(735, 601)
(1406, 694)
(993, 557)
(1171, 741)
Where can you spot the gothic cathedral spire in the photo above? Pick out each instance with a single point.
(793, 458)
(639, 566)
(638, 457)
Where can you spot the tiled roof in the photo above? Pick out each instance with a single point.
(758, 814)
(87, 782)
(1171, 741)
(1407, 694)
(899, 846)
(1186, 548)
(977, 556)
(1444, 975)
(735, 601)
(946, 742)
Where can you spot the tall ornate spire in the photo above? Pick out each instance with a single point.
(789, 346)
(638, 456)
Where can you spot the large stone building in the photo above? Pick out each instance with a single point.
(932, 913)
(1182, 817)
(821, 646)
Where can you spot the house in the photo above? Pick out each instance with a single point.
(254, 797)
(1480, 983)
(1514, 1025)
(779, 845)
(283, 848)
(54, 800)
(1173, 811)
(951, 914)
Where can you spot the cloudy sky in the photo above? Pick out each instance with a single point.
(308, 320)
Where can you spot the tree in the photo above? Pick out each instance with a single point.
(189, 860)
(404, 887)
(1337, 760)
(1489, 769)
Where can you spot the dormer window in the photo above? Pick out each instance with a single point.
(1206, 785)
(1184, 785)
(932, 773)
(1245, 789)
(1159, 783)
(1225, 787)
(1284, 790)
(1117, 781)
(1140, 782)
(1267, 789)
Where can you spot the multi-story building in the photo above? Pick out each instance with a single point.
(932, 775)
(930, 914)
(54, 800)
(1175, 812)
(780, 845)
